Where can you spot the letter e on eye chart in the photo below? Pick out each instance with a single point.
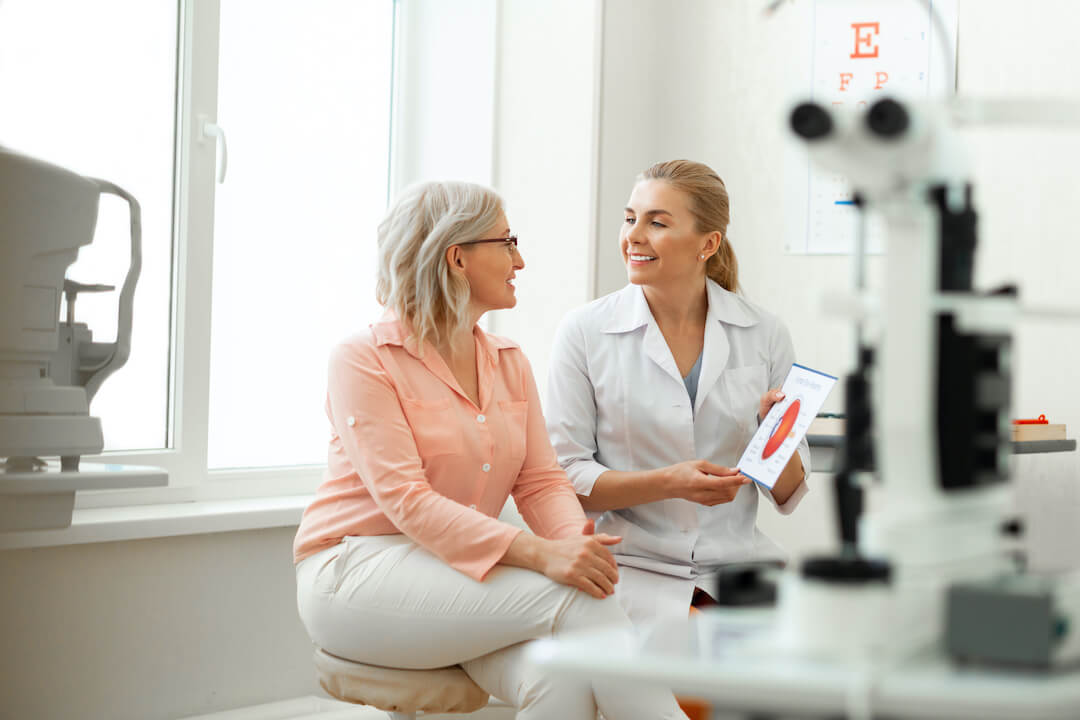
(785, 425)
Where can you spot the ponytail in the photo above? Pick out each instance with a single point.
(722, 267)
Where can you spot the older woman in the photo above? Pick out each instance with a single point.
(655, 390)
(401, 560)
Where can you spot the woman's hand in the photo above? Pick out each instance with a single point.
(767, 401)
(583, 561)
(703, 482)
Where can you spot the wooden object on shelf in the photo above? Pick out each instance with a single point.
(1034, 432)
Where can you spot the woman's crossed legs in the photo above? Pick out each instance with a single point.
(384, 600)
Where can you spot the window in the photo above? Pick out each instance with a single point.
(304, 95)
(246, 284)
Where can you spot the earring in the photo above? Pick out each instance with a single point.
(701, 256)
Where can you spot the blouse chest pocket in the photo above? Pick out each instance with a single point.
(434, 427)
(744, 387)
(515, 421)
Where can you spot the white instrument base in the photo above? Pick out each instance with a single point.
(43, 499)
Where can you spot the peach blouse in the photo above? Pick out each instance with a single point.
(410, 453)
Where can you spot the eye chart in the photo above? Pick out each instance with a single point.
(861, 52)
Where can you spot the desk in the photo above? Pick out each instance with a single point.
(690, 658)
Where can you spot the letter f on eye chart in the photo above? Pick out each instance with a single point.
(785, 425)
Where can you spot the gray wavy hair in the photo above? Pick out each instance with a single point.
(414, 279)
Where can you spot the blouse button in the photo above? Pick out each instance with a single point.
(486, 467)
(350, 421)
(480, 418)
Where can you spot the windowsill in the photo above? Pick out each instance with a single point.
(139, 522)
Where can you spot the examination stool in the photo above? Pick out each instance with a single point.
(402, 693)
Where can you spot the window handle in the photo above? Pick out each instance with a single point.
(209, 129)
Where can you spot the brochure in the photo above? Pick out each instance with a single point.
(785, 425)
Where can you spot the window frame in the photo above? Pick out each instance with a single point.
(418, 61)
(185, 456)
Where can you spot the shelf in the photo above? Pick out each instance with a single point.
(824, 449)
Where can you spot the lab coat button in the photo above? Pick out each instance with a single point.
(487, 466)
(480, 418)
(350, 421)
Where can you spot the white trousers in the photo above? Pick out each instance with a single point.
(384, 600)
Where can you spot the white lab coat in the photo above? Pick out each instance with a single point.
(616, 401)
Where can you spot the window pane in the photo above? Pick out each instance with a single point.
(91, 86)
(304, 96)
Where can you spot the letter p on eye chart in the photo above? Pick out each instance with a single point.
(785, 425)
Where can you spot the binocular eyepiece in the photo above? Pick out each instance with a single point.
(886, 119)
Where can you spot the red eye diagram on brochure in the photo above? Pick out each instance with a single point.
(785, 425)
(783, 429)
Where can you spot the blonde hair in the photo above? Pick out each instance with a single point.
(414, 279)
(710, 206)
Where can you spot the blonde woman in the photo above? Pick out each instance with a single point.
(401, 560)
(655, 390)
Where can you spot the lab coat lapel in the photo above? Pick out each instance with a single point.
(630, 315)
(714, 358)
(725, 309)
(657, 349)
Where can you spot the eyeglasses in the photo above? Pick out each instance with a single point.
(512, 239)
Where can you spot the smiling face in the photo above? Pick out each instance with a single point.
(660, 243)
(490, 268)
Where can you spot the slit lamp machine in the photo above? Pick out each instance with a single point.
(50, 369)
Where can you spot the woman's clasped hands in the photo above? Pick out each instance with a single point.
(583, 561)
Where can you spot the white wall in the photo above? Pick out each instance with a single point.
(636, 80)
(711, 81)
(545, 161)
(162, 628)
(444, 92)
